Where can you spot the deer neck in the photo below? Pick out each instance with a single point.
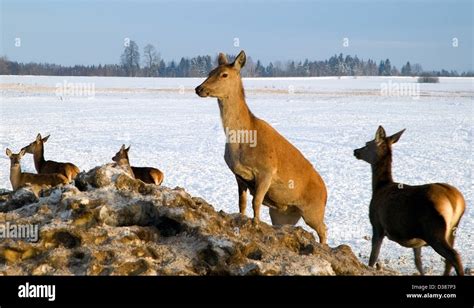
(235, 114)
(38, 157)
(15, 176)
(124, 163)
(382, 173)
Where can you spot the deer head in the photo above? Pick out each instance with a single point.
(224, 80)
(379, 148)
(32, 147)
(122, 155)
(15, 158)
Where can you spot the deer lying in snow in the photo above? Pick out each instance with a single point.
(413, 216)
(48, 166)
(272, 169)
(19, 179)
(146, 174)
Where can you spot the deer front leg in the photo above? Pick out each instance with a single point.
(418, 262)
(242, 195)
(377, 239)
(262, 184)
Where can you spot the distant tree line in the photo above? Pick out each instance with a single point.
(150, 64)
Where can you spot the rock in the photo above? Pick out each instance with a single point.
(140, 213)
(67, 239)
(112, 224)
(125, 183)
(131, 268)
(168, 226)
(43, 269)
(98, 177)
(85, 220)
(11, 255)
(20, 197)
(4, 196)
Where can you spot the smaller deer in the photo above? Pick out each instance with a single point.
(146, 174)
(413, 216)
(19, 179)
(48, 166)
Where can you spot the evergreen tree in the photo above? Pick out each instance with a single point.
(406, 69)
(259, 69)
(381, 68)
(387, 68)
(270, 71)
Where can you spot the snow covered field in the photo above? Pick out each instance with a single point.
(171, 128)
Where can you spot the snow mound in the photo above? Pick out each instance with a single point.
(111, 224)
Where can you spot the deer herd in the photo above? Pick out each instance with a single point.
(278, 175)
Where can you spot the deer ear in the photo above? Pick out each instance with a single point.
(38, 137)
(240, 60)
(45, 138)
(22, 153)
(122, 148)
(380, 134)
(222, 59)
(9, 152)
(128, 149)
(395, 137)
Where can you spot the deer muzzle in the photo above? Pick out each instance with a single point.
(201, 91)
(357, 153)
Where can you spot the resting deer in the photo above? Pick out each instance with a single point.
(48, 166)
(272, 169)
(146, 174)
(19, 179)
(413, 216)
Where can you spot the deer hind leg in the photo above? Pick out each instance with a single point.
(448, 265)
(72, 172)
(418, 262)
(160, 178)
(75, 173)
(156, 178)
(442, 247)
(69, 176)
(288, 217)
(315, 219)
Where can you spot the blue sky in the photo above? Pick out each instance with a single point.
(92, 32)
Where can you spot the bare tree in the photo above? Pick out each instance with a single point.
(131, 59)
(249, 69)
(151, 60)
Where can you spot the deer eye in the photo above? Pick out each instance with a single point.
(225, 75)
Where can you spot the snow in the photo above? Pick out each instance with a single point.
(171, 128)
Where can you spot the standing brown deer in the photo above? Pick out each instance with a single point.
(48, 166)
(272, 169)
(19, 179)
(146, 174)
(413, 216)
